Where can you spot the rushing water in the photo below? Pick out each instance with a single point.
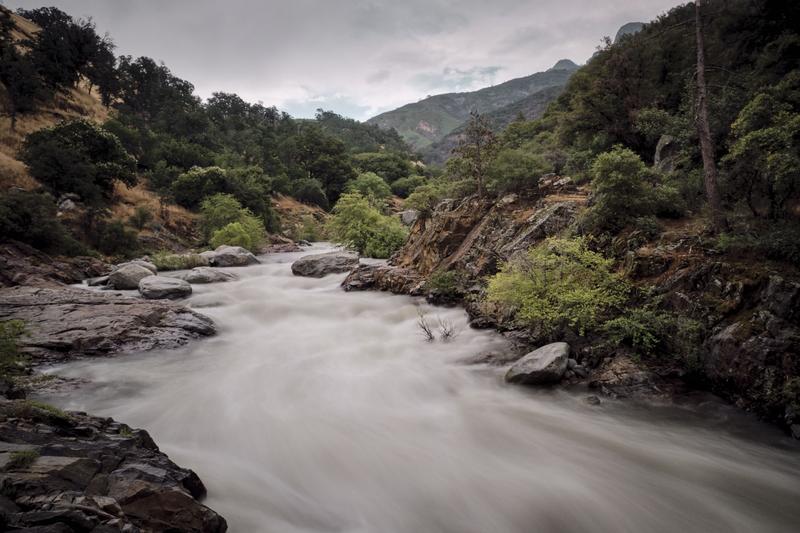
(316, 410)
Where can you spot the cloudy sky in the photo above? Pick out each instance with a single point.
(355, 57)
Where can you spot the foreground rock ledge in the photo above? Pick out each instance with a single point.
(70, 472)
(67, 323)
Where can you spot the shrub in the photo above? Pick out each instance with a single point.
(559, 283)
(191, 187)
(357, 224)
(247, 232)
(424, 199)
(516, 171)
(405, 186)
(78, 157)
(310, 191)
(218, 211)
(309, 230)
(21, 460)
(11, 360)
(388, 165)
(446, 283)
(141, 217)
(370, 186)
(113, 238)
(165, 260)
(31, 218)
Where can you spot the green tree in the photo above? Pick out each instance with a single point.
(763, 164)
(620, 190)
(79, 157)
(516, 171)
(357, 224)
(405, 186)
(372, 187)
(391, 166)
(477, 148)
(32, 218)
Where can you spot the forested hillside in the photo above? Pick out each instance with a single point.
(146, 131)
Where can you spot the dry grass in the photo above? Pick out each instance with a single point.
(171, 216)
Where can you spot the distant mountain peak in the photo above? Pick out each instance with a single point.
(564, 64)
(628, 29)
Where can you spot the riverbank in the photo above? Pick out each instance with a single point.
(316, 409)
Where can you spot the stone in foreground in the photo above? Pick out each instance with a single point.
(542, 366)
(127, 277)
(200, 275)
(65, 323)
(320, 265)
(160, 287)
(82, 473)
(230, 256)
(142, 263)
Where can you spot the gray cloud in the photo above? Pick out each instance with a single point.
(357, 57)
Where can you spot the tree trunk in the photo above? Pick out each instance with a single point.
(704, 131)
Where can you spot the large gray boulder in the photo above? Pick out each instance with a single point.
(161, 287)
(199, 275)
(127, 277)
(141, 262)
(408, 217)
(230, 256)
(319, 265)
(542, 366)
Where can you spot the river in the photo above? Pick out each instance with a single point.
(316, 410)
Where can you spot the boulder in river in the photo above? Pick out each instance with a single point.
(141, 262)
(128, 276)
(70, 472)
(319, 265)
(65, 323)
(542, 366)
(230, 256)
(200, 275)
(161, 287)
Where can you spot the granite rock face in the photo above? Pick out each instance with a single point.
(66, 323)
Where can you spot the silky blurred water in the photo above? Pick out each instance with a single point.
(316, 410)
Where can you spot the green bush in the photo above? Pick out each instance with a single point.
(191, 187)
(79, 157)
(11, 360)
(141, 217)
(165, 260)
(31, 218)
(424, 199)
(370, 186)
(21, 460)
(309, 230)
(247, 232)
(445, 282)
(225, 221)
(217, 211)
(405, 186)
(559, 283)
(357, 224)
(516, 171)
(310, 191)
(113, 238)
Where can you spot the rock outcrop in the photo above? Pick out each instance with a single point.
(22, 265)
(162, 287)
(70, 472)
(66, 323)
(384, 278)
(319, 265)
(230, 256)
(543, 366)
(128, 276)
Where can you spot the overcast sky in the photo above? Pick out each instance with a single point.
(355, 57)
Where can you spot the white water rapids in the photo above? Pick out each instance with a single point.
(316, 410)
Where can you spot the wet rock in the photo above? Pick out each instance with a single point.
(161, 287)
(592, 400)
(66, 323)
(542, 366)
(112, 479)
(230, 256)
(319, 265)
(127, 277)
(384, 278)
(622, 377)
(97, 282)
(199, 275)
